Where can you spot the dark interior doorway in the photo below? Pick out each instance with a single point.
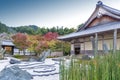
(77, 50)
(9, 49)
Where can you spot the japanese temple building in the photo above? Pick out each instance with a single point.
(11, 49)
(100, 33)
(8, 46)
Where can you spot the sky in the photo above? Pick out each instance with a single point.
(49, 13)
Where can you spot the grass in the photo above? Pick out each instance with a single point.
(105, 67)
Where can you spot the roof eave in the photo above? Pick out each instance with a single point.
(93, 30)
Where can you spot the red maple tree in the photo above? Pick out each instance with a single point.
(21, 41)
(51, 36)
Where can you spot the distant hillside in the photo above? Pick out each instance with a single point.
(33, 29)
(3, 28)
(26, 29)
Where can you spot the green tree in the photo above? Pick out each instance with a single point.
(79, 26)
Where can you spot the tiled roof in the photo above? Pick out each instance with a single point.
(7, 42)
(92, 30)
(106, 10)
(112, 10)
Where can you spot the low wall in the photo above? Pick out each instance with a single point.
(59, 54)
(91, 52)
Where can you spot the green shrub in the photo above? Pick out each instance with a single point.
(105, 67)
(18, 56)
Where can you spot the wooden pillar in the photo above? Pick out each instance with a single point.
(84, 45)
(96, 43)
(103, 42)
(93, 44)
(115, 40)
(72, 49)
(12, 50)
(63, 47)
(103, 45)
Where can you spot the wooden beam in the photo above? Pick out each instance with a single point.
(115, 40)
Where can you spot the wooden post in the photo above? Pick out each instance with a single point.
(62, 47)
(12, 50)
(103, 42)
(115, 40)
(84, 45)
(93, 44)
(72, 49)
(96, 43)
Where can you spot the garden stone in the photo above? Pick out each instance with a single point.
(14, 73)
(56, 59)
(44, 55)
(14, 61)
(32, 60)
(85, 57)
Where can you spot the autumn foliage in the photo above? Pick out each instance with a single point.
(42, 45)
(21, 41)
(51, 36)
(37, 43)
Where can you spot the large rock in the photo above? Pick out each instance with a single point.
(14, 61)
(14, 73)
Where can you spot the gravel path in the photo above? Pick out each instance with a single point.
(47, 70)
